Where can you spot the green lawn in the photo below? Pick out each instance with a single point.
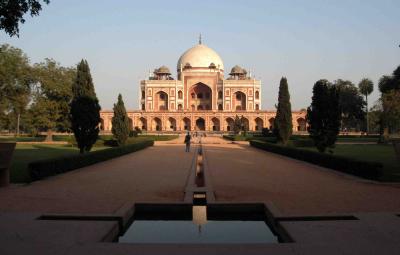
(26, 153)
(21, 139)
(383, 153)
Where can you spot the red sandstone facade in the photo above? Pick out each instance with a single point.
(200, 98)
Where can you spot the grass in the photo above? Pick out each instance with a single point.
(26, 153)
(383, 153)
(21, 139)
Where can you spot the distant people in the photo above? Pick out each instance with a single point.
(187, 141)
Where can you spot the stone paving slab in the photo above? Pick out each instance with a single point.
(26, 228)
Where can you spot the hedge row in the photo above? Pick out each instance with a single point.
(368, 170)
(49, 167)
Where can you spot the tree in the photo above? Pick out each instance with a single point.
(366, 86)
(85, 119)
(12, 12)
(16, 81)
(323, 116)
(237, 125)
(85, 109)
(351, 105)
(52, 96)
(389, 86)
(83, 85)
(283, 119)
(120, 122)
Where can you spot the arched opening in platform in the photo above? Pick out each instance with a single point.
(156, 125)
(215, 124)
(271, 123)
(200, 124)
(171, 124)
(245, 124)
(186, 124)
(229, 122)
(101, 124)
(142, 123)
(301, 124)
(259, 124)
(130, 124)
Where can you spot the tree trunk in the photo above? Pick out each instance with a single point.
(49, 136)
(366, 99)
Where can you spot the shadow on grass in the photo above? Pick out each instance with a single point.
(26, 153)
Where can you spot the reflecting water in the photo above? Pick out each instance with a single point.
(199, 230)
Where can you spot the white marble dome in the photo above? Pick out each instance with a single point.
(200, 56)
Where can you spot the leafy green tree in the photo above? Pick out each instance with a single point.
(389, 86)
(16, 81)
(120, 122)
(12, 13)
(53, 93)
(244, 125)
(323, 116)
(283, 120)
(366, 86)
(85, 109)
(351, 105)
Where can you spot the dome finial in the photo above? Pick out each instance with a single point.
(200, 38)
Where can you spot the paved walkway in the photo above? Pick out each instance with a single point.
(238, 173)
(157, 173)
(242, 173)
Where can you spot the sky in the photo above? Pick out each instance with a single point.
(303, 41)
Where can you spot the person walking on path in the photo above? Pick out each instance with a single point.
(187, 141)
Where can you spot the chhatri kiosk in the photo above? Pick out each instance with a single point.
(200, 98)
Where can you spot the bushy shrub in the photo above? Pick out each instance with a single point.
(265, 132)
(49, 167)
(368, 170)
(135, 132)
(302, 143)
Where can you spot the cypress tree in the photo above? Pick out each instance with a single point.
(283, 119)
(323, 116)
(120, 122)
(85, 109)
(83, 85)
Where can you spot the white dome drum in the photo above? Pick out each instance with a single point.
(200, 56)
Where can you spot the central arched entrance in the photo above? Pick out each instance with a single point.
(200, 124)
(200, 96)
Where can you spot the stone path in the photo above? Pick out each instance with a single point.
(238, 173)
(242, 173)
(158, 173)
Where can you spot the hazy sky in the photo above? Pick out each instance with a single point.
(302, 40)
